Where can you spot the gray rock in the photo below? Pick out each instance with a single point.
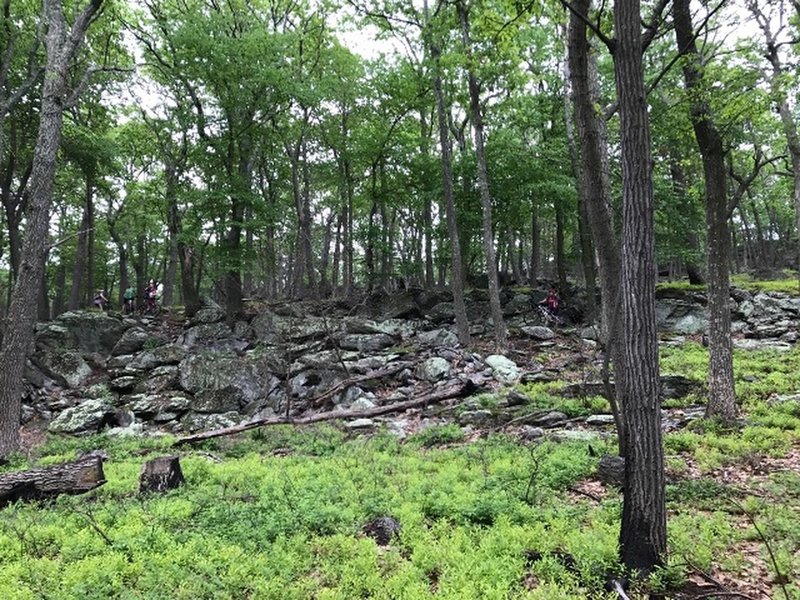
(475, 417)
(538, 332)
(123, 384)
(530, 433)
(88, 416)
(590, 333)
(222, 400)
(209, 315)
(574, 435)
(600, 420)
(325, 360)
(362, 404)
(398, 428)
(169, 354)
(131, 430)
(433, 369)
(444, 312)
(84, 330)
(359, 424)
(208, 372)
(503, 370)
(159, 379)
(361, 325)
(611, 470)
(515, 398)
(437, 338)
(366, 342)
(209, 335)
(690, 324)
(149, 405)
(65, 366)
(119, 362)
(520, 303)
(144, 361)
(193, 421)
(310, 384)
(132, 341)
(751, 344)
(548, 420)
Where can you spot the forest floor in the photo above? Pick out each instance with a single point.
(280, 512)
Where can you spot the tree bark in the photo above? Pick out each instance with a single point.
(62, 46)
(476, 116)
(590, 128)
(457, 274)
(76, 477)
(643, 534)
(721, 391)
(78, 293)
(160, 474)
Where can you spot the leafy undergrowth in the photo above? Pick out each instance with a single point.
(789, 283)
(278, 513)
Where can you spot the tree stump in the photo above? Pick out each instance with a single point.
(76, 477)
(160, 474)
(382, 530)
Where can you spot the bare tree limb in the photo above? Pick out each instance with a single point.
(454, 391)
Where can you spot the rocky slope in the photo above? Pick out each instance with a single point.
(93, 371)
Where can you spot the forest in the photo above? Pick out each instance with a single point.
(283, 169)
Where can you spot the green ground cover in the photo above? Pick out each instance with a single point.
(278, 513)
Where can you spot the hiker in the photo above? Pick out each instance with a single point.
(100, 300)
(551, 302)
(127, 298)
(150, 293)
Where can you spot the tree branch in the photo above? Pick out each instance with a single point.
(453, 391)
(609, 43)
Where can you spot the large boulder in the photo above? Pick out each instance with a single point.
(271, 328)
(85, 330)
(132, 341)
(504, 370)
(434, 369)
(65, 366)
(437, 338)
(364, 342)
(247, 379)
(87, 417)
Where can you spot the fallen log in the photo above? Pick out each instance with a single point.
(396, 368)
(75, 477)
(452, 391)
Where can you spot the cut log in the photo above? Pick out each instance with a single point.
(160, 474)
(453, 391)
(76, 477)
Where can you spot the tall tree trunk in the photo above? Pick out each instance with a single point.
(561, 258)
(778, 83)
(590, 129)
(79, 293)
(476, 115)
(90, 286)
(61, 47)
(584, 228)
(457, 275)
(643, 534)
(721, 392)
(171, 271)
(536, 246)
(427, 208)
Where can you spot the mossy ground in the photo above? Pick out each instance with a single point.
(278, 513)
